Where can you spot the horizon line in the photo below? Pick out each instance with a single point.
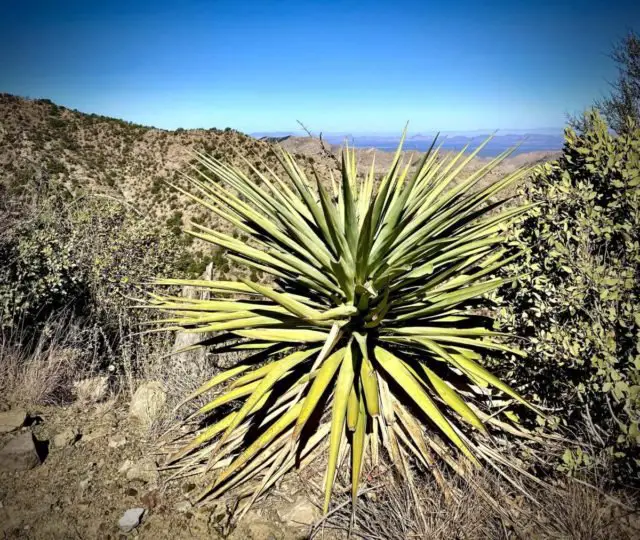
(298, 132)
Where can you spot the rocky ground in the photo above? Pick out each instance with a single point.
(92, 469)
(88, 470)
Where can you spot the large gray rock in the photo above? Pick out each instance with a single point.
(130, 519)
(19, 454)
(12, 419)
(147, 403)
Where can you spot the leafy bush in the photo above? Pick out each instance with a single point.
(84, 253)
(577, 301)
(38, 274)
(368, 330)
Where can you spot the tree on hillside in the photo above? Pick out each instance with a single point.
(621, 108)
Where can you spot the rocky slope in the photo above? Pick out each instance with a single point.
(41, 141)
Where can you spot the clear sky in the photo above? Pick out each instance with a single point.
(353, 66)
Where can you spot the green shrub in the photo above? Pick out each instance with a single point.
(577, 302)
(38, 274)
(87, 254)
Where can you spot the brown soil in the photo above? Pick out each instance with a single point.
(78, 491)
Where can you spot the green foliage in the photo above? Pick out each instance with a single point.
(368, 331)
(577, 301)
(87, 254)
(38, 274)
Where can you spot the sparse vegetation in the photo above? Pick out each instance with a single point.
(622, 108)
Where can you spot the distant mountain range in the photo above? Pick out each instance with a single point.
(545, 139)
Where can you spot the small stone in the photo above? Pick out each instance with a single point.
(259, 528)
(151, 499)
(92, 390)
(65, 438)
(301, 513)
(19, 454)
(84, 484)
(12, 420)
(97, 433)
(109, 419)
(183, 507)
(130, 519)
(126, 465)
(144, 470)
(147, 403)
(117, 441)
(188, 488)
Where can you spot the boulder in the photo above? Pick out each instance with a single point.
(19, 454)
(12, 419)
(130, 519)
(92, 390)
(147, 403)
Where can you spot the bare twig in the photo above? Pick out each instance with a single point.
(325, 151)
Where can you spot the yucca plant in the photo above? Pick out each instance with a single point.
(366, 339)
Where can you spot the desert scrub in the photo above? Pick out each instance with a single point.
(39, 274)
(577, 298)
(85, 254)
(367, 339)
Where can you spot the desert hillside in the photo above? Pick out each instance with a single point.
(308, 146)
(41, 141)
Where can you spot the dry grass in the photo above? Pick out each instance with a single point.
(180, 375)
(42, 373)
(571, 509)
(582, 511)
(394, 511)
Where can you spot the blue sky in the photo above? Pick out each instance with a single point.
(338, 66)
